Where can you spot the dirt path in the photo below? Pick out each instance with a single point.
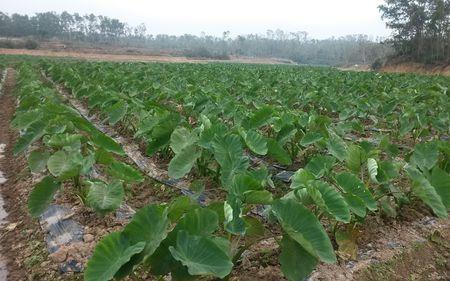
(20, 232)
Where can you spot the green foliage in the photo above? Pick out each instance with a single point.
(104, 198)
(41, 195)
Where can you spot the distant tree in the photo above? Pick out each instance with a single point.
(421, 28)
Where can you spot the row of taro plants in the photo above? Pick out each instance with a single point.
(339, 184)
(66, 149)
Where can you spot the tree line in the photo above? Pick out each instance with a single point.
(295, 46)
(421, 28)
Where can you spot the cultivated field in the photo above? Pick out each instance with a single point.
(223, 171)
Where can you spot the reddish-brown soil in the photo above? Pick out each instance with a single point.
(417, 68)
(85, 54)
(21, 240)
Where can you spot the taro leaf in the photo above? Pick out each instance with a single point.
(254, 229)
(330, 200)
(353, 185)
(258, 197)
(41, 195)
(61, 140)
(110, 254)
(356, 156)
(426, 192)
(103, 157)
(149, 225)
(256, 142)
(34, 132)
(311, 138)
(277, 152)
(125, 172)
(183, 162)
(320, 165)
(116, 112)
(337, 148)
(296, 263)
(286, 133)
(425, 155)
(229, 154)
(37, 161)
(64, 165)
(103, 141)
(355, 204)
(162, 132)
(22, 120)
(441, 182)
(202, 255)
(87, 164)
(304, 228)
(387, 170)
(199, 222)
(181, 138)
(180, 206)
(105, 198)
(259, 118)
(301, 178)
(372, 167)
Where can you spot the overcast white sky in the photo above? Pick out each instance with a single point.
(320, 18)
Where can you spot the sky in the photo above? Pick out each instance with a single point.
(320, 18)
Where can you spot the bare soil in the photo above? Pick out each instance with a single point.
(417, 68)
(112, 56)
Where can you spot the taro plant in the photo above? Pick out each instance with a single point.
(69, 149)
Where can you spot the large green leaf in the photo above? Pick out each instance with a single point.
(426, 192)
(229, 154)
(336, 147)
(259, 118)
(64, 165)
(61, 140)
(182, 138)
(41, 195)
(320, 165)
(301, 178)
(277, 152)
(296, 263)
(103, 141)
(311, 138)
(353, 185)
(330, 200)
(37, 161)
(425, 155)
(149, 225)
(116, 112)
(441, 182)
(34, 132)
(256, 142)
(202, 255)
(104, 198)
(356, 156)
(110, 254)
(304, 228)
(125, 172)
(22, 120)
(199, 221)
(183, 162)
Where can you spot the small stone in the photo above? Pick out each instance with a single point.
(59, 256)
(393, 244)
(88, 238)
